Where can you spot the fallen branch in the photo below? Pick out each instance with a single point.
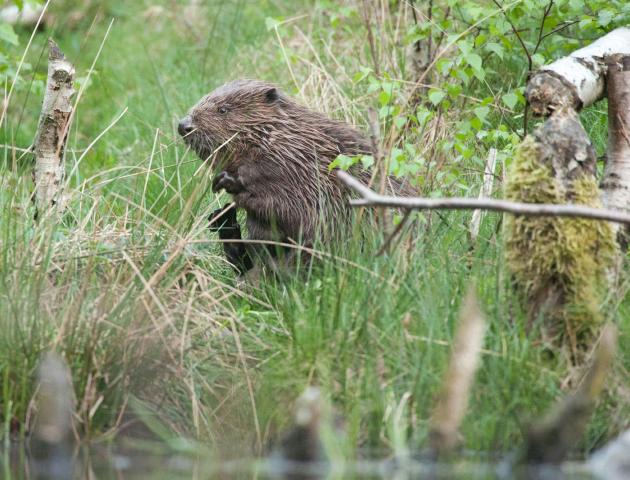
(370, 198)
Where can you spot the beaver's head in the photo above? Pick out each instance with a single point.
(232, 117)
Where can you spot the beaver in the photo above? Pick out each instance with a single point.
(273, 156)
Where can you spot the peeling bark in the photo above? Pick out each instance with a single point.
(49, 145)
(566, 147)
(577, 80)
(615, 185)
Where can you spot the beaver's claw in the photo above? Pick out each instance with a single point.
(225, 181)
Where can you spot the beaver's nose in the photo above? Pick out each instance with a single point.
(185, 126)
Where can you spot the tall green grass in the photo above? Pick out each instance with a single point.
(131, 287)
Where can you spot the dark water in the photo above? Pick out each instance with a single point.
(112, 463)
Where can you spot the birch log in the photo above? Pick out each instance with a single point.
(615, 185)
(53, 130)
(577, 80)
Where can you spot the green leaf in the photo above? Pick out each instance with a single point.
(384, 97)
(423, 115)
(436, 96)
(480, 73)
(586, 22)
(454, 90)
(7, 34)
(474, 61)
(482, 112)
(367, 161)
(538, 59)
(605, 17)
(495, 48)
(342, 161)
(400, 121)
(510, 99)
(364, 73)
(386, 111)
(443, 65)
(272, 23)
(476, 123)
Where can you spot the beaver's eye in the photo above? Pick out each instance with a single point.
(223, 109)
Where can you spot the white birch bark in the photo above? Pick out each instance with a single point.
(485, 192)
(53, 129)
(577, 80)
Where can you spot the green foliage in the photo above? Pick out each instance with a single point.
(473, 47)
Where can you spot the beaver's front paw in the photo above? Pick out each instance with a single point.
(225, 181)
(224, 221)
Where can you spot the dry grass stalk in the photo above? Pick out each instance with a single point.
(453, 400)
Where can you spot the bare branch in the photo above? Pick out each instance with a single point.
(541, 37)
(370, 198)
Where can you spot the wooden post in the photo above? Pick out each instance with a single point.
(54, 123)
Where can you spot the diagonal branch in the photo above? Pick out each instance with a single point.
(371, 198)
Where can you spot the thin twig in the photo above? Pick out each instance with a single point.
(518, 35)
(373, 199)
(542, 27)
(560, 28)
(370, 37)
(530, 62)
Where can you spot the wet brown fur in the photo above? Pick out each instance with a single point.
(279, 153)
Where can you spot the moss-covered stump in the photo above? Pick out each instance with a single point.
(561, 266)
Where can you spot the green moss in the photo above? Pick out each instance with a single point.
(572, 257)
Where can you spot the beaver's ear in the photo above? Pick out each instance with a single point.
(271, 95)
